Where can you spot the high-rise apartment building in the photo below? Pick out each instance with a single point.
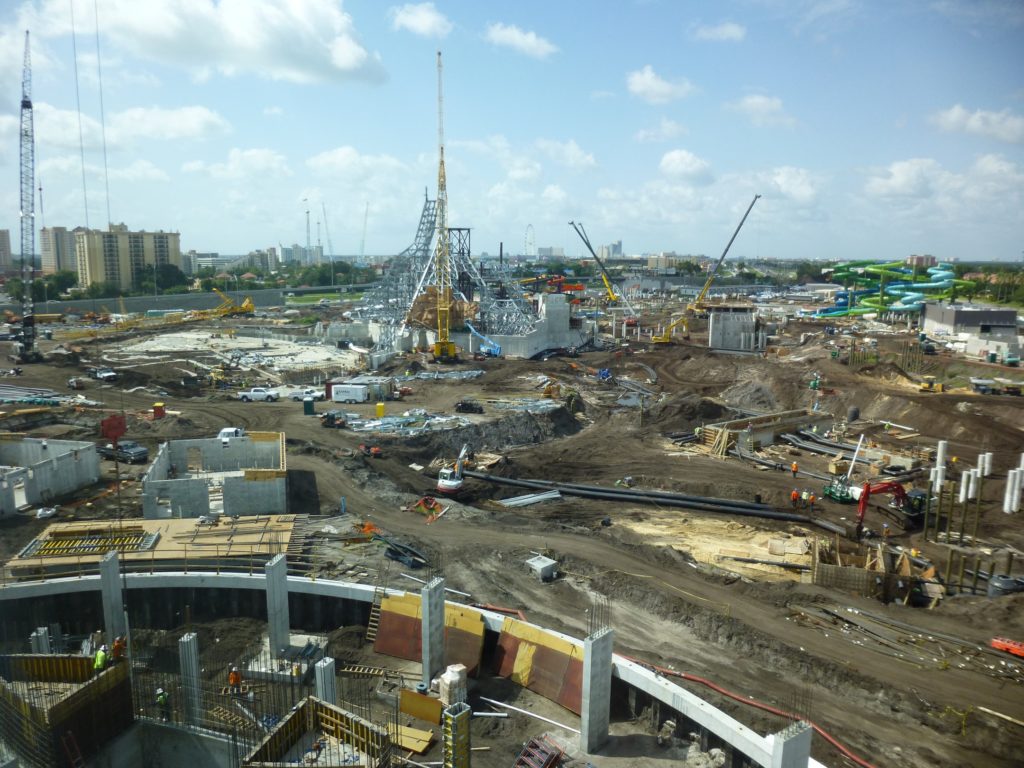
(5, 250)
(57, 246)
(120, 257)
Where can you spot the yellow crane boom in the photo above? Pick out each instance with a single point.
(697, 306)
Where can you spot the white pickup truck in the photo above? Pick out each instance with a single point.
(301, 394)
(260, 394)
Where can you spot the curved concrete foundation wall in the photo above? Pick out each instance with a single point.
(757, 748)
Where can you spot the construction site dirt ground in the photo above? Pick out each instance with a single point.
(674, 602)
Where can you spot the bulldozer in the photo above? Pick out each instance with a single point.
(929, 384)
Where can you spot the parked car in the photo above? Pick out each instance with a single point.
(260, 394)
(127, 451)
(302, 394)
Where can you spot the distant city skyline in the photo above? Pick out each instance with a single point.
(872, 130)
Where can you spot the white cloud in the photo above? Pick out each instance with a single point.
(273, 111)
(680, 163)
(647, 85)
(568, 153)
(300, 42)
(523, 169)
(140, 170)
(553, 195)
(347, 161)
(511, 36)
(1004, 125)
(158, 123)
(241, 164)
(423, 19)
(918, 177)
(796, 184)
(59, 127)
(724, 32)
(763, 110)
(663, 131)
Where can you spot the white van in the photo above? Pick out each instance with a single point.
(229, 432)
(350, 393)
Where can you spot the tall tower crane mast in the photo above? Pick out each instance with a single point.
(28, 225)
(444, 347)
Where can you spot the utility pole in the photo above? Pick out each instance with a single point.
(330, 246)
(362, 243)
(306, 201)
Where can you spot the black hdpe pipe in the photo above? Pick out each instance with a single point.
(699, 503)
(749, 505)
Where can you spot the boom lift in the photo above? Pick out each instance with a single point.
(449, 479)
(697, 307)
(606, 278)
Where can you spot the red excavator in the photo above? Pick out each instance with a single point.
(906, 508)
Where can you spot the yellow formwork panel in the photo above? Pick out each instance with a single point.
(523, 666)
(406, 604)
(538, 636)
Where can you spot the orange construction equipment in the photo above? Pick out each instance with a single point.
(1010, 646)
(426, 505)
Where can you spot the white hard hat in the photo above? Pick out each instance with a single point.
(234, 669)
(103, 647)
(159, 690)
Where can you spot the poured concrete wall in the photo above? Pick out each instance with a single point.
(255, 497)
(174, 485)
(215, 455)
(735, 331)
(551, 332)
(188, 497)
(49, 469)
(153, 744)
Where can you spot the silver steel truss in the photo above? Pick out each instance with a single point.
(502, 311)
(388, 303)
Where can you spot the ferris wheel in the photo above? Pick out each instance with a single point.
(529, 242)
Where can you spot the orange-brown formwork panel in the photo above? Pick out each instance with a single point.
(399, 633)
(542, 662)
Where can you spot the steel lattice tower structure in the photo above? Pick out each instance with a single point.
(28, 215)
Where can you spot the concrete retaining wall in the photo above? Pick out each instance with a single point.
(48, 470)
(758, 748)
(168, 489)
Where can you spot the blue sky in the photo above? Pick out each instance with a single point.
(872, 129)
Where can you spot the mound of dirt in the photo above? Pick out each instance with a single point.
(685, 412)
(751, 394)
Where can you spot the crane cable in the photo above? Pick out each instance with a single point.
(78, 105)
(754, 703)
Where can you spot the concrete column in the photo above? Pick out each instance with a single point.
(278, 625)
(113, 599)
(432, 627)
(791, 747)
(188, 657)
(326, 683)
(597, 689)
(40, 640)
